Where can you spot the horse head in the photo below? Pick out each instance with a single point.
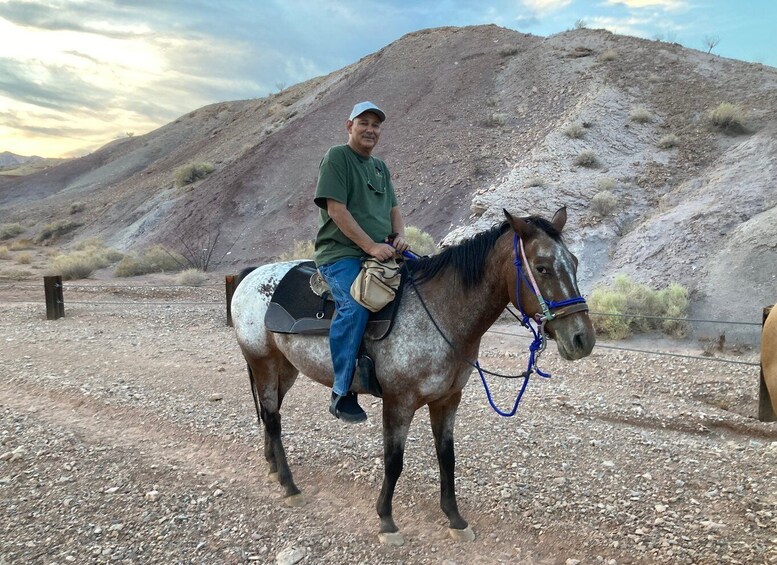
(542, 283)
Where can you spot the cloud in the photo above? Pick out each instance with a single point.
(546, 6)
(666, 4)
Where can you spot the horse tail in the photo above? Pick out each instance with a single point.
(254, 392)
(243, 274)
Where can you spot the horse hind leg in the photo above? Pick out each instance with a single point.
(443, 415)
(270, 381)
(396, 423)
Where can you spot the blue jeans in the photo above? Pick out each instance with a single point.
(349, 322)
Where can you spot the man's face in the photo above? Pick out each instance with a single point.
(363, 132)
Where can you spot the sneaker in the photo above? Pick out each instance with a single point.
(347, 408)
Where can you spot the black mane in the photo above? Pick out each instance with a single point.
(467, 258)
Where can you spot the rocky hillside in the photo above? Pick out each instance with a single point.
(479, 119)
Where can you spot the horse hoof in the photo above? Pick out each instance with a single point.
(462, 535)
(295, 501)
(391, 538)
(273, 476)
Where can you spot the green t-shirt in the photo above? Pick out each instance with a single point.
(363, 184)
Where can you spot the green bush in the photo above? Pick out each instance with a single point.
(628, 308)
(587, 159)
(668, 141)
(190, 173)
(55, 229)
(494, 120)
(155, 259)
(7, 231)
(603, 203)
(728, 116)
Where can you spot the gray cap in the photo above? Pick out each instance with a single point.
(362, 107)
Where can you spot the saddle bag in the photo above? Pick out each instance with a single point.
(377, 283)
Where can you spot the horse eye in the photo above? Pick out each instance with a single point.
(541, 269)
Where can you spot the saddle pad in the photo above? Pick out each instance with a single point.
(293, 308)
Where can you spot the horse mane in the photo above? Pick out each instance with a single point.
(468, 258)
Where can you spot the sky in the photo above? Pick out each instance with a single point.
(76, 74)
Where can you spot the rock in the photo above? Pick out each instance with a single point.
(291, 555)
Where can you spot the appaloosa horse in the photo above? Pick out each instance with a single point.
(462, 292)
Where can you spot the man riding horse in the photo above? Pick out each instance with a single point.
(358, 210)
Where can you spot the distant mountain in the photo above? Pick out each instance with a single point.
(8, 159)
(482, 118)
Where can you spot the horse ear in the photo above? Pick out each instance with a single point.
(559, 218)
(519, 225)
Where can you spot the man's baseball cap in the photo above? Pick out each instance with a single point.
(362, 107)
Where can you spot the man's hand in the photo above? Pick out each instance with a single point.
(382, 251)
(401, 244)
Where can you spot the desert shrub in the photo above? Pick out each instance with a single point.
(536, 180)
(728, 116)
(77, 207)
(606, 183)
(190, 173)
(55, 229)
(21, 244)
(668, 141)
(587, 158)
(24, 258)
(301, 249)
(603, 203)
(627, 307)
(82, 262)
(420, 242)
(5, 253)
(191, 277)
(509, 50)
(155, 259)
(494, 120)
(16, 274)
(609, 55)
(7, 231)
(640, 115)
(574, 131)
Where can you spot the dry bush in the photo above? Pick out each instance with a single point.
(574, 131)
(7, 231)
(587, 159)
(509, 50)
(191, 277)
(606, 183)
(728, 117)
(24, 258)
(609, 55)
(190, 173)
(16, 274)
(21, 244)
(77, 207)
(56, 229)
(301, 249)
(640, 115)
(84, 261)
(420, 242)
(668, 141)
(603, 203)
(494, 120)
(535, 180)
(5, 253)
(155, 259)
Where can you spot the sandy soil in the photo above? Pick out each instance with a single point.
(128, 435)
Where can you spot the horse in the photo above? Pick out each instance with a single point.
(452, 300)
(769, 357)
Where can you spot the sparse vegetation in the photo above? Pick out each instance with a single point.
(24, 258)
(574, 131)
(301, 249)
(587, 159)
(5, 253)
(8, 231)
(189, 173)
(581, 24)
(728, 116)
(509, 50)
(191, 277)
(711, 41)
(21, 244)
(535, 180)
(606, 183)
(668, 141)
(603, 203)
(420, 242)
(628, 307)
(56, 229)
(608, 55)
(494, 120)
(77, 207)
(155, 259)
(640, 115)
(85, 260)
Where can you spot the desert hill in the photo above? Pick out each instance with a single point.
(479, 118)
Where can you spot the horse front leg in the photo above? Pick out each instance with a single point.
(396, 423)
(443, 416)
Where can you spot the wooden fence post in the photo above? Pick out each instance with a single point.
(765, 410)
(55, 303)
(230, 286)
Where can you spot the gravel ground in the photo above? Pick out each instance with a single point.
(129, 436)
